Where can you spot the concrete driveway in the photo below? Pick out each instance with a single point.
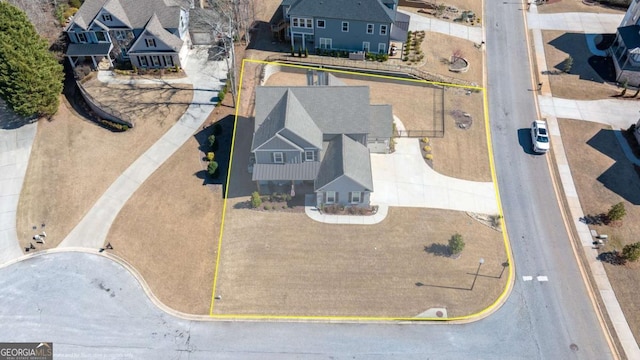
(15, 149)
(418, 22)
(404, 179)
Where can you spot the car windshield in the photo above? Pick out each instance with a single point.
(542, 131)
(542, 139)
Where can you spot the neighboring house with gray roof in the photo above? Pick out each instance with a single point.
(625, 50)
(352, 25)
(149, 33)
(319, 137)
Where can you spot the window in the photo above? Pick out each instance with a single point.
(325, 43)
(366, 46)
(143, 61)
(320, 24)
(100, 35)
(82, 37)
(121, 35)
(150, 42)
(107, 17)
(308, 155)
(302, 22)
(383, 29)
(382, 48)
(168, 59)
(356, 197)
(370, 28)
(278, 157)
(155, 60)
(330, 197)
(345, 26)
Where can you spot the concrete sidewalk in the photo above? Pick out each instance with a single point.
(585, 110)
(15, 150)
(419, 22)
(576, 22)
(625, 114)
(206, 77)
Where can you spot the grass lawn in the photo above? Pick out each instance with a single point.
(603, 177)
(73, 161)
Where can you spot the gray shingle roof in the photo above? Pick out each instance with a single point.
(334, 109)
(381, 125)
(154, 28)
(284, 172)
(348, 158)
(88, 49)
(361, 10)
(287, 113)
(134, 13)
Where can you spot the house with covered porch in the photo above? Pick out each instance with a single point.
(318, 139)
(625, 50)
(148, 33)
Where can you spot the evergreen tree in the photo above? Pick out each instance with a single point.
(30, 76)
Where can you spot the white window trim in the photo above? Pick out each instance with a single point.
(168, 59)
(153, 60)
(328, 195)
(142, 60)
(298, 22)
(80, 40)
(366, 46)
(324, 23)
(382, 48)
(358, 197)
(150, 42)
(306, 157)
(276, 155)
(343, 24)
(106, 36)
(107, 17)
(373, 29)
(386, 29)
(328, 43)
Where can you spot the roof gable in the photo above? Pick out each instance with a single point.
(345, 159)
(155, 30)
(133, 13)
(360, 10)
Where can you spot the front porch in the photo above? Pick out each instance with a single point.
(97, 55)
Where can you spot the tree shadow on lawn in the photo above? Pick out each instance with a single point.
(585, 64)
(621, 177)
(221, 149)
(438, 250)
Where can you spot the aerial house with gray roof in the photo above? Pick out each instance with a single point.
(319, 138)
(150, 33)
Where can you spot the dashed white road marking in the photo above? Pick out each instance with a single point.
(542, 278)
(527, 278)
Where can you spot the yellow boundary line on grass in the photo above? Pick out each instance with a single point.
(501, 298)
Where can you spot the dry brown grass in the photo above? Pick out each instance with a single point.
(286, 264)
(603, 177)
(74, 161)
(169, 231)
(460, 153)
(583, 83)
(559, 6)
(461, 5)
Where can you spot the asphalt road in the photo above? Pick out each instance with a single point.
(91, 308)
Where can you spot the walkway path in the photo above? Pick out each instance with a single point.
(419, 22)
(15, 149)
(553, 108)
(205, 76)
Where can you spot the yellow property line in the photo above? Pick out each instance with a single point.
(477, 315)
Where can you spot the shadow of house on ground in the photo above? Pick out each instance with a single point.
(221, 149)
(240, 183)
(262, 38)
(585, 64)
(621, 177)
